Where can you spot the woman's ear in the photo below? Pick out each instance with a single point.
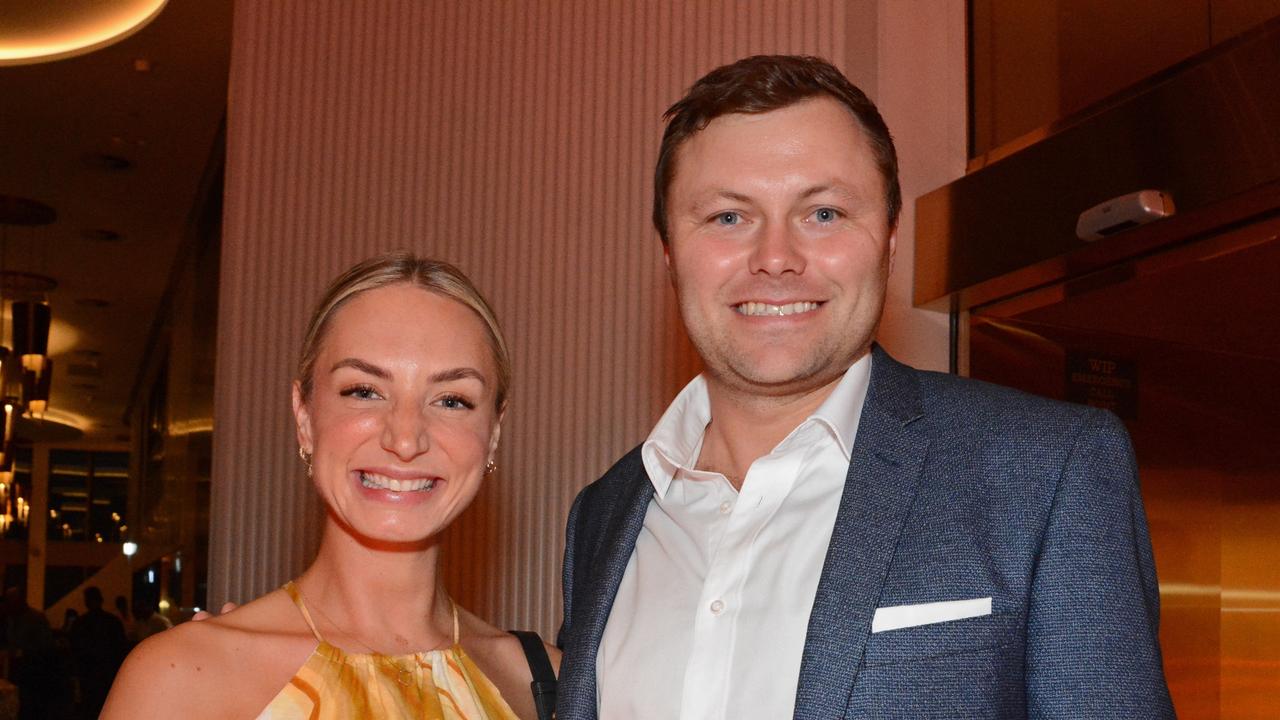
(497, 433)
(302, 419)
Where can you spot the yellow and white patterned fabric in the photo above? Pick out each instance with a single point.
(434, 685)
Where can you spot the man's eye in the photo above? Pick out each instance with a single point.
(727, 218)
(826, 215)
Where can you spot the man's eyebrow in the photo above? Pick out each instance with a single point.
(836, 188)
(720, 195)
(362, 366)
(459, 373)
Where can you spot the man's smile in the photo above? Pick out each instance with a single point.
(764, 309)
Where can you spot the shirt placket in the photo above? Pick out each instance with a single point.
(715, 627)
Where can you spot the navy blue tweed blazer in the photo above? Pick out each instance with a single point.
(957, 489)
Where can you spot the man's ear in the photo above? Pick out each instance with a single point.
(302, 419)
(666, 258)
(893, 248)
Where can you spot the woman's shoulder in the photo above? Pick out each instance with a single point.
(187, 671)
(500, 656)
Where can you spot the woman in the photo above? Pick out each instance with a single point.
(398, 402)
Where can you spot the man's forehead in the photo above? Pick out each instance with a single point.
(708, 197)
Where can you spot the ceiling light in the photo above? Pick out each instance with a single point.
(34, 31)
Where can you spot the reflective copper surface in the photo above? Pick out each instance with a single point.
(1196, 331)
(1205, 132)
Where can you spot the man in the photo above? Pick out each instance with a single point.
(33, 658)
(99, 645)
(812, 529)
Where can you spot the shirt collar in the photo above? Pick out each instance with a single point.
(676, 441)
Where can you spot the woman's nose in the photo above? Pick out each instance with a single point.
(405, 432)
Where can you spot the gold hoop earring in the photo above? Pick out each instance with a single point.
(306, 459)
(489, 467)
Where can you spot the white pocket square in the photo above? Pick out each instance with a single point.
(905, 616)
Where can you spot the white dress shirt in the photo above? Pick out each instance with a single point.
(711, 616)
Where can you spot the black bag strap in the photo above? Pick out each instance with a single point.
(544, 678)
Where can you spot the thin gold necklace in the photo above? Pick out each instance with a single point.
(404, 675)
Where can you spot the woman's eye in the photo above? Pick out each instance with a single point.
(456, 402)
(361, 392)
(727, 218)
(826, 215)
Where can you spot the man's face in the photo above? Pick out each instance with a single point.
(779, 246)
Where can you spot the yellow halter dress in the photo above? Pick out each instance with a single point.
(433, 685)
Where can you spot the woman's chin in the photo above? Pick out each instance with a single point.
(389, 533)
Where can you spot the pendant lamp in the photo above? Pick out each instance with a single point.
(31, 333)
(35, 388)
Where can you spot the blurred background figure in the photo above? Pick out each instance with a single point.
(35, 666)
(147, 620)
(122, 609)
(99, 645)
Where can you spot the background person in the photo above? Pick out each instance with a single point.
(98, 645)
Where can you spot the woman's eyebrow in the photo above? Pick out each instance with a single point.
(458, 373)
(362, 366)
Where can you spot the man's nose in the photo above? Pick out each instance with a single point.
(777, 249)
(406, 431)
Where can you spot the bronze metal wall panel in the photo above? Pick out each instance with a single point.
(1206, 132)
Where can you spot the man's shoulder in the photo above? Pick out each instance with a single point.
(964, 403)
(625, 473)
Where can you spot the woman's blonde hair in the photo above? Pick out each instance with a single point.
(434, 276)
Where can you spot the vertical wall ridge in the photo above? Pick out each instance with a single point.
(515, 140)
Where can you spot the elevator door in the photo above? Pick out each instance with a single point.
(1185, 346)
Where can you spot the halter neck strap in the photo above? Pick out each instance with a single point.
(292, 588)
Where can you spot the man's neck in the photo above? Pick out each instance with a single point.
(747, 426)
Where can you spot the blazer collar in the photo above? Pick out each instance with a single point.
(888, 456)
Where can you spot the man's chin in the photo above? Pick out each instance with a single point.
(776, 379)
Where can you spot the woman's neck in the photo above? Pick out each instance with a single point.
(389, 601)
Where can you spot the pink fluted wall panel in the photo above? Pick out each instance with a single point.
(515, 139)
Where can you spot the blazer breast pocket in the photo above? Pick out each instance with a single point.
(942, 639)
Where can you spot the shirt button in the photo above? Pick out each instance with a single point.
(725, 507)
(717, 607)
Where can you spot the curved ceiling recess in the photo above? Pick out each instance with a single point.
(35, 31)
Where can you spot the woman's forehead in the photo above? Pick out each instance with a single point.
(405, 318)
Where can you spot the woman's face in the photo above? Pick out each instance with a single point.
(401, 419)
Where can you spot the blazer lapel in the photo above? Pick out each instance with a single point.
(612, 554)
(884, 470)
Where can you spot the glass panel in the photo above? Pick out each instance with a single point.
(68, 495)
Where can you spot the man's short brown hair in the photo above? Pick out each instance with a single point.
(759, 84)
